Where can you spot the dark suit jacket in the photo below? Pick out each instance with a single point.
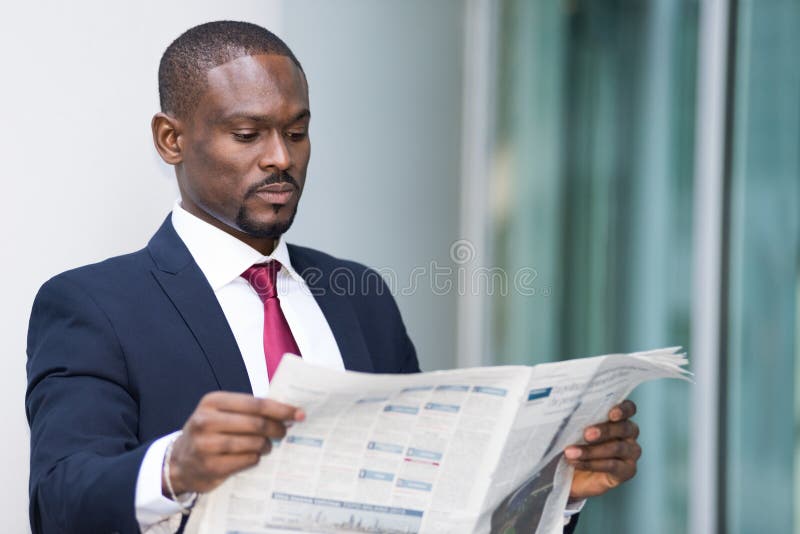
(120, 353)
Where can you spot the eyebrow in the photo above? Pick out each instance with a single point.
(262, 119)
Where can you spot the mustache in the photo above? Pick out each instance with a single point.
(275, 178)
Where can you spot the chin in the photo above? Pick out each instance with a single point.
(271, 228)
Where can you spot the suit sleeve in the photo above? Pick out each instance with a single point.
(85, 455)
(409, 354)
(573, 522)
(403, 346)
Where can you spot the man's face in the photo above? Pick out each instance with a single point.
(246, 147)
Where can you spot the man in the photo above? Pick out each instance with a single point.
(182, 334)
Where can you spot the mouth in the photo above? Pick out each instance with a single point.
(280, 193)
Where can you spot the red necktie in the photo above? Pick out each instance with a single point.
(278, 338)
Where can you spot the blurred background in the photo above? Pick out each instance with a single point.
(638, 160)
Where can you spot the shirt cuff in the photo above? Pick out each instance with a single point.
(573, 508)
(151, 505)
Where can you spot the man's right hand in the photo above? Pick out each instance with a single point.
(226, 433)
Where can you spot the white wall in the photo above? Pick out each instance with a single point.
(82, 181)
(383, 185)
(81, 178)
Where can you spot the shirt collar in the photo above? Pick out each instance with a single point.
(221, 257)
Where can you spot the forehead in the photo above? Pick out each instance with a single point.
(269, 85)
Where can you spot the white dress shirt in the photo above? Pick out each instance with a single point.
(222, 258)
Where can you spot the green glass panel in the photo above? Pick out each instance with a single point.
(593, 189)
(764, 236)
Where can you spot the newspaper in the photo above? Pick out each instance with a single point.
(467, 450)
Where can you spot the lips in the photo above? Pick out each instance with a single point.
(277, 188)
(279, 193)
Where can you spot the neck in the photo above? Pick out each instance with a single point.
(264, 245)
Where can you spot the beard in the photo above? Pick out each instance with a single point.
(274, 230)
(270, 231)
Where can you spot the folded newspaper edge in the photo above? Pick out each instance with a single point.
(465, 450)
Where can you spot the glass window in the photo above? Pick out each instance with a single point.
(593, 189)
(760, 471)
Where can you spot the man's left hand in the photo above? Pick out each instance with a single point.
(610, 456)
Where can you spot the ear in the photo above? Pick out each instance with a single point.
(167, 132)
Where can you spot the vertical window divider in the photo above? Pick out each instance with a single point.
(711, 133)
(480, 36)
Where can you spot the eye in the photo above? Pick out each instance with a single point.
(245, 137)
(296, 136)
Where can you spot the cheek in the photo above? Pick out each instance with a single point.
(301, 156)
(216, 157)
(222, 168)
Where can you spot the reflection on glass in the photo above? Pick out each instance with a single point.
(764, 249)
(593, 189)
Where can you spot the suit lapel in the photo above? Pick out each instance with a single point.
(337, 309)
(187, 288)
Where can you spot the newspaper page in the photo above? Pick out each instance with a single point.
(530, 485)
(468, 450)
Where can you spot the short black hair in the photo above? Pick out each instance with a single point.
(183, 67)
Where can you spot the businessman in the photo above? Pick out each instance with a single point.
(147, 372)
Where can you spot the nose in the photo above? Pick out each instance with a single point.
(276, 154)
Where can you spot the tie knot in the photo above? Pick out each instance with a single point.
(263, 278)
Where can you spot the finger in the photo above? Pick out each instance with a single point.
(230, 401)
(223, 466)
(231, 444)
(606, 431)
(618, 470)
(243, 403)
(619, 449)
(210, 421)
(625, 410)
(280, 411)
